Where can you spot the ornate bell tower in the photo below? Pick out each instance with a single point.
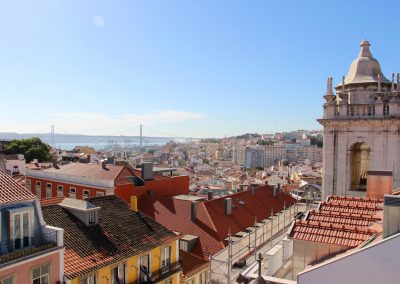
(361, 127)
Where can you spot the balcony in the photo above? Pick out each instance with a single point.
(30, 246)
(163, 273)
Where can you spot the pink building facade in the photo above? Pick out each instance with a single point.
(31, 252)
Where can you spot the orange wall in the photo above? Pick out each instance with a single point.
(79, 188)
(161, 187)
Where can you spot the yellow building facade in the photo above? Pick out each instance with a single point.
(160, 271)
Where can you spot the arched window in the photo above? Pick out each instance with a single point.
(360, 162)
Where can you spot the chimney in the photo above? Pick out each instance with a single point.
(104, 165)
(147, 171)
(379, 183)
(391, 215)
(209, 195)
(228, 205)
(274, 190)
(278, 189)
(54, 162)
(134, 203)
(193, 211)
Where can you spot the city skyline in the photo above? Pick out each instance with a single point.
(189, 69)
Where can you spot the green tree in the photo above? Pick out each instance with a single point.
(31, 148)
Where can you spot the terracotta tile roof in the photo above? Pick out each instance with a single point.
(11, 191)
(51, 201)
(192, 264)
(212, 224)
(350, 236)
(120, 234)
(94, 171)
(361, 202)
(346, 221)
(334, 217)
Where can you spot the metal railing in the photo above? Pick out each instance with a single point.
(18, 248)
(166, 271)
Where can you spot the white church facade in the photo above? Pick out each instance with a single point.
(361, 127)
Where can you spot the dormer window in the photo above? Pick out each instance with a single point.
(92, 217)
(21, 228)
(85, 211)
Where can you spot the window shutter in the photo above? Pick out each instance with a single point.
(162, 257)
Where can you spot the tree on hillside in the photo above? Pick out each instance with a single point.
(31, 148)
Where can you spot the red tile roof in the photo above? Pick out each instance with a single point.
(345, 221)
(51, 201)
(192, 264)
(334, 217)
(212, 224)
(94, 171)
(121, 233)
(350, 236)
(11, 191)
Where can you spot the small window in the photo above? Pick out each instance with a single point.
(72, 192)
(183, 245)
(86, 193)
(60, 190)
(144, 268)
(118, 274)
(7, 280)
(48, 185)
(38, 192)
(20, 230)
(38, 183)
(92, 217)
(49, 192)
(99, 193)
(88, 280)
(203, 278)
(165, 259)
(40, 275)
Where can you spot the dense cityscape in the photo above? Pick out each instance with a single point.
(141, 205)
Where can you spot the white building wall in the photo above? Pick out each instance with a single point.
(376, 263)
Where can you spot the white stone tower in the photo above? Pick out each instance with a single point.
(361, 127)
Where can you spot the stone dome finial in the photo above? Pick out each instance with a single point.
(364, 52)
(365, 68)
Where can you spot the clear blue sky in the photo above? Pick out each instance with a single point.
(186, 68)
